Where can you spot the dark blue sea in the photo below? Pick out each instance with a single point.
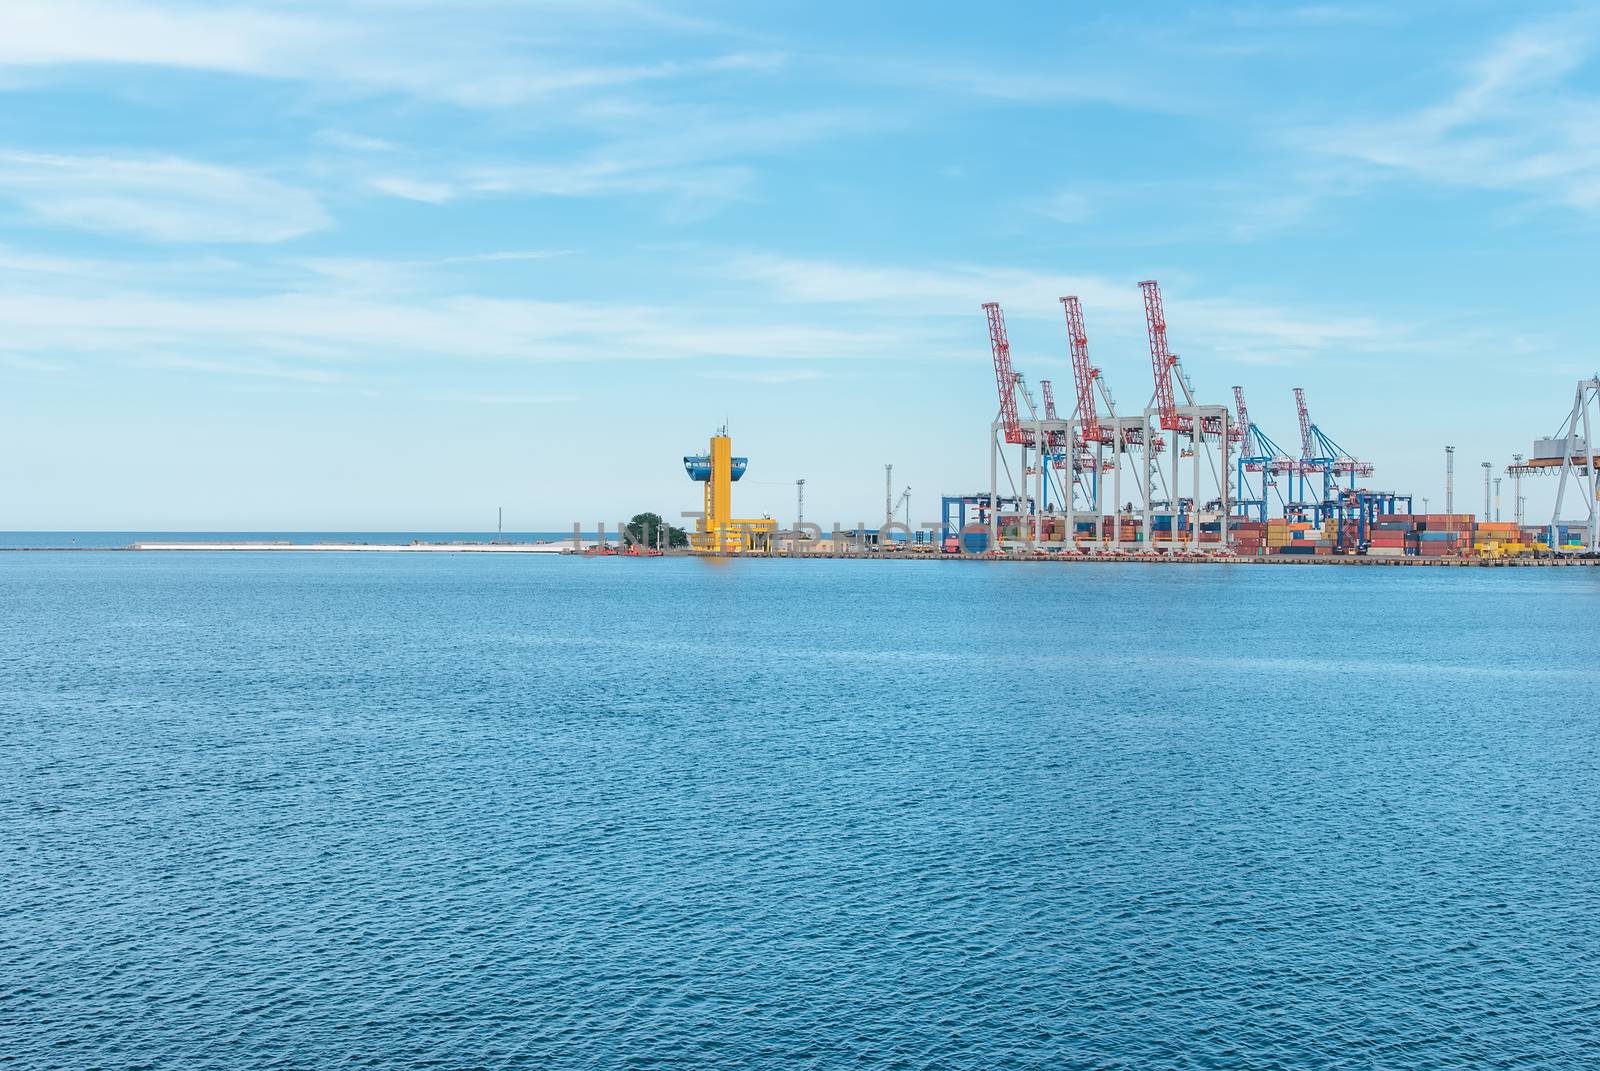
(402, 811)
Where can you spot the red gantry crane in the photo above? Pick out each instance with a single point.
(1084, 375)
(1056, 441)
(1317, 448)
(1161, 359)
(1164, 365)
(1004, 376)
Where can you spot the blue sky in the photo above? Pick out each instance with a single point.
(360, 265)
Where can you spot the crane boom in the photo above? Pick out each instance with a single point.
(1004, 377)
(1056, 439)
(1083, 373)
(1306, 448)
(1321, 452)
(1161, 358)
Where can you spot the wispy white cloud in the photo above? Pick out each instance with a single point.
(696, 159)
(509, 398)
(344, 313)
(607, 176)
(625, 133)
(21, 362)
(941, 290)
(162, 198)
(38, 33)
(1513, 124)
(434, 53)
(505, 255)
(340, 329)
(1067, 206)
(395, 275)
(1243, 330)
(249, 368)
(1313, 15)
(1006, 83)
(409, 189)
(208, 275)
(344, 139)
(515, 84)
(776, 377)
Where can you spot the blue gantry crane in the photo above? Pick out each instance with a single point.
(1260, 463)
(1322, 456)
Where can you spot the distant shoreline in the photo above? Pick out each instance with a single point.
(565, 547)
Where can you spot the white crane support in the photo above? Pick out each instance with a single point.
(1579, 460)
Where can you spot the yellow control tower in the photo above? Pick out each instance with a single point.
(719, 531)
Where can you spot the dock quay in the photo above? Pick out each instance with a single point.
(1201, 559)
(417, 547)
(590, 549)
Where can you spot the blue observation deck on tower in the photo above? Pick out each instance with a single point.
(698, 466)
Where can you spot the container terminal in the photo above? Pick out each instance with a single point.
(1183, 480)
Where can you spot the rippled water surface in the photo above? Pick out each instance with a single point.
(395, 811)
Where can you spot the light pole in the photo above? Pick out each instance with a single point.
(888, 494)
(1449, 479)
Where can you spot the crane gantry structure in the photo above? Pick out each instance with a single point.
(1200, 432)
(1066, 465)
(1046, 454)
(1058, 453)
(1259, 455)
(1008, 429)
(1072, 471)
(1573, 453)
(1106, 443)
(1321, 456)
(1100, 477)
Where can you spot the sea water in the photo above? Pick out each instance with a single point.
(388, 811)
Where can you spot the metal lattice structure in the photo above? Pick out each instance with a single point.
(1162, 361)
(1065, 474)
(1055, 469)
(1320, 455)
(1059, 442)
(1307, 449)
(1573, 453)
(1084, 374)
(1261, 456)
(1199, 432)
(1005, 379)
(1242, 415)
